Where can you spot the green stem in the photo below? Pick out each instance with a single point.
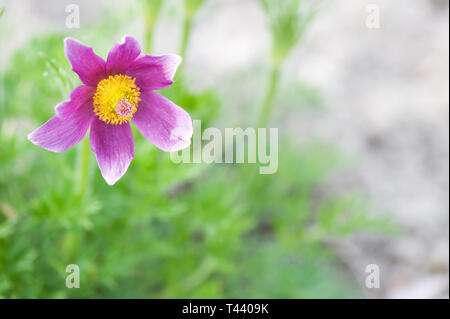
(83, 167)
(186, 33)
(148, 40)
(184, 44)
(150, 12)
(267, 105)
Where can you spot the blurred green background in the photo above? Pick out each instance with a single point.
(170, 230)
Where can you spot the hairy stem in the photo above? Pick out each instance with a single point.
(267, 105)
(83, 167)
(186, 33)
(148, 40)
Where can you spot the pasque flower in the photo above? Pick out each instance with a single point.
(116, 92)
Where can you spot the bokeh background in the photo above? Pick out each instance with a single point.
(363, 118)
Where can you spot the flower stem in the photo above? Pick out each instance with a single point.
(267, 105)
(150, 12)
(148, 40)
(186, 33)
(83, 167)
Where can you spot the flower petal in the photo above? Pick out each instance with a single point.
(67, 127)
(80, 96)
(122, 55)
(89, 66)
(163, 123)
(113, 146)
(154, 72)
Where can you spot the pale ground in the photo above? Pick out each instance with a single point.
(387, 92)
(387, 107)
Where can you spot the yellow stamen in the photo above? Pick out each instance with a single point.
(116, 99)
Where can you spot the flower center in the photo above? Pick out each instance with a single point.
(116, 99)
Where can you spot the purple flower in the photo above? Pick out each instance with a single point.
(115, 92)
